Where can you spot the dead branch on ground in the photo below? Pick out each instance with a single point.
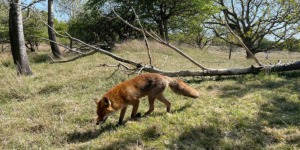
(138, 67)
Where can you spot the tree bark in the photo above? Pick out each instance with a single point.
(161, 29)
(54, 48)
(166, 35)
(229, 71)
(17, 40)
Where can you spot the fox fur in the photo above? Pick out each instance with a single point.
(130, 91)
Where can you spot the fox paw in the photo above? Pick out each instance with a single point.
(120, 124)
(138, 115)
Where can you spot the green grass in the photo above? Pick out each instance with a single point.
(54, 108)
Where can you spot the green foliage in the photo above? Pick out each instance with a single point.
(292, 45)
(39, 58)
(163, 16)
(61, 27)
(265, 43)
(4, 30)
(92, 27)
(34, 29)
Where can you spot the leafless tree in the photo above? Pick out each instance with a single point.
(138, 67)
(255, 20)
(17, 40)
(55, 50)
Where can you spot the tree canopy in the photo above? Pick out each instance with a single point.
(163, 16)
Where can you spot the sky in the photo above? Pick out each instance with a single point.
(44, 6)
(64, 17)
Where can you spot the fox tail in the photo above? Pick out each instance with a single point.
(181, 88)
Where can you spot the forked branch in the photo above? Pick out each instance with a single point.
(144, 35)
(138, 67)
(159, 40)
(244, 45)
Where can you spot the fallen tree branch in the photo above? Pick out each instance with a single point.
(75, 58)
(144, 35)
(118, 65)
(138, 67)
(66, 47)
(219, 72)
(159, 40)
(244, 45)
(230, 71)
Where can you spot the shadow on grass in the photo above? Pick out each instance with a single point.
(281, 112)
(179, 110)
(281, 115)
(39, 58)
(182, 108)
(277, 118)
(136, 141)
(79, 136)
(202, 137)
(48, 89)
(84, 136)
(129, 142)
(243, 87)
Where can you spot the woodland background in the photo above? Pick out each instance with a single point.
(50, 71)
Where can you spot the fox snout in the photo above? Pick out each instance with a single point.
(100, 121)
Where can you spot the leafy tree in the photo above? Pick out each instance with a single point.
(255, 20)
(92, 27)
(291, 44)
(193, 34)
(161, 15)
(34, 29)
(4, 30)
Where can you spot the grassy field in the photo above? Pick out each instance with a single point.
(54, 108)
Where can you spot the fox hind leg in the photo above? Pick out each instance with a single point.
(151, 104)
(135, 107)
(162, 99)
(155, 93)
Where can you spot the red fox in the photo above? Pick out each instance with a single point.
(130, 91)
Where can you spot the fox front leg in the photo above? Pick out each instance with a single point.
(122, 114)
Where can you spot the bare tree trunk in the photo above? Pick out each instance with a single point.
(166, 35)
(17, 40)
(161, 30)
(51, 33)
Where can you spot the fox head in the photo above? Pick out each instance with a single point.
(104, 110)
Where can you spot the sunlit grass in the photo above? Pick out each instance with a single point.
(53, 109)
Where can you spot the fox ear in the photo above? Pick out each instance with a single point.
(106, 101)
(96, 100)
